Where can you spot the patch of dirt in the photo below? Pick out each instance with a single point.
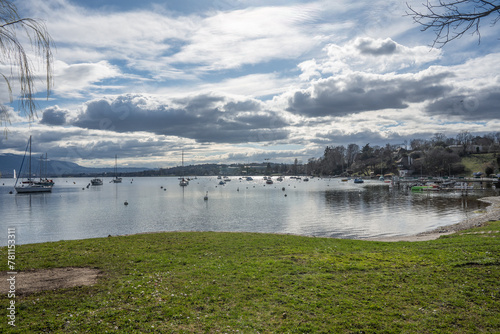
(32, 281)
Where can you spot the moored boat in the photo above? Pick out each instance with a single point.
(30, 185)
(96, 182)
(116, 179)
(183, 181)
(33, 188)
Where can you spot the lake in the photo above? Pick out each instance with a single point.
(320, 207)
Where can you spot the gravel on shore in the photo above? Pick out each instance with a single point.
(492, 214)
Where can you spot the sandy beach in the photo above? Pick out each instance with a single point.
(492, 214)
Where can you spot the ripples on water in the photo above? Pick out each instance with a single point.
(320, 207)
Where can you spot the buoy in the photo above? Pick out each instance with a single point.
(126, 203)
(206, 197)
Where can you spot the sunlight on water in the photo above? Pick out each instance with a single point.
(320, 207)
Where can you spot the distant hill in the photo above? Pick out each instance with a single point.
(57, 168)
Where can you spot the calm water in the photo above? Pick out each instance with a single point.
(320, 207)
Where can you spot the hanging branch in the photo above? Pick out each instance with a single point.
(14, 55)
(451, 19)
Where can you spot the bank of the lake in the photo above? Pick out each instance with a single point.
(207, 282)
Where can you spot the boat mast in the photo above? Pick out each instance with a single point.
(46, 165)
(29, 161)
(22, 163)
(41, 166)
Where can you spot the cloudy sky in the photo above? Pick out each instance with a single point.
(243, 81)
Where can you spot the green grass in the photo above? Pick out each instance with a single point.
(478, 162)
(260, 283)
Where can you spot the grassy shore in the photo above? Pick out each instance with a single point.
(260, 283)
(478, 162)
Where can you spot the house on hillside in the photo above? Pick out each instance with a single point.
(404, 165)
(404, 162)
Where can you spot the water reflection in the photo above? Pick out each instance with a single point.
(326, 208)
(387, 211)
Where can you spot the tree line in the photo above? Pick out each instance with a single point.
(438, 156)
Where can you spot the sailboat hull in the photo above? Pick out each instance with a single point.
(33, 189)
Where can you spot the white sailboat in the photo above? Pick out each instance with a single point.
(116, 179)
(183, 181)
(30, 185)
(43, 172)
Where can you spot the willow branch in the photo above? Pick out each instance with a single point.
(15, 56)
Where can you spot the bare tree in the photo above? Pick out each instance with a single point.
(17, 33)
(351, 153)
(464, 138)
(451, 19)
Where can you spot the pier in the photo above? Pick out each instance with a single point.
(462, 184)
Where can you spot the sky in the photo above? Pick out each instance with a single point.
(247, 81)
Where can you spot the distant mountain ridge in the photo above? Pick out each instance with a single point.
(57, 168)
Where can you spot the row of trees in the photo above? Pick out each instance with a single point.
(439, 155)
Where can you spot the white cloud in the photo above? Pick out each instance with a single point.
(72, 80)
(326, 72)
(376, 56)
(231, 39)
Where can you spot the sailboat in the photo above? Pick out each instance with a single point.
(30, 185)
(43, 172)
(183, 181)
(116, 179)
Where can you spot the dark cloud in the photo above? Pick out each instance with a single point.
(361, 138)
(242, 106)
(376, 47)
(54, 116)
(204, 118)
(481, 105)
(359, 93)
